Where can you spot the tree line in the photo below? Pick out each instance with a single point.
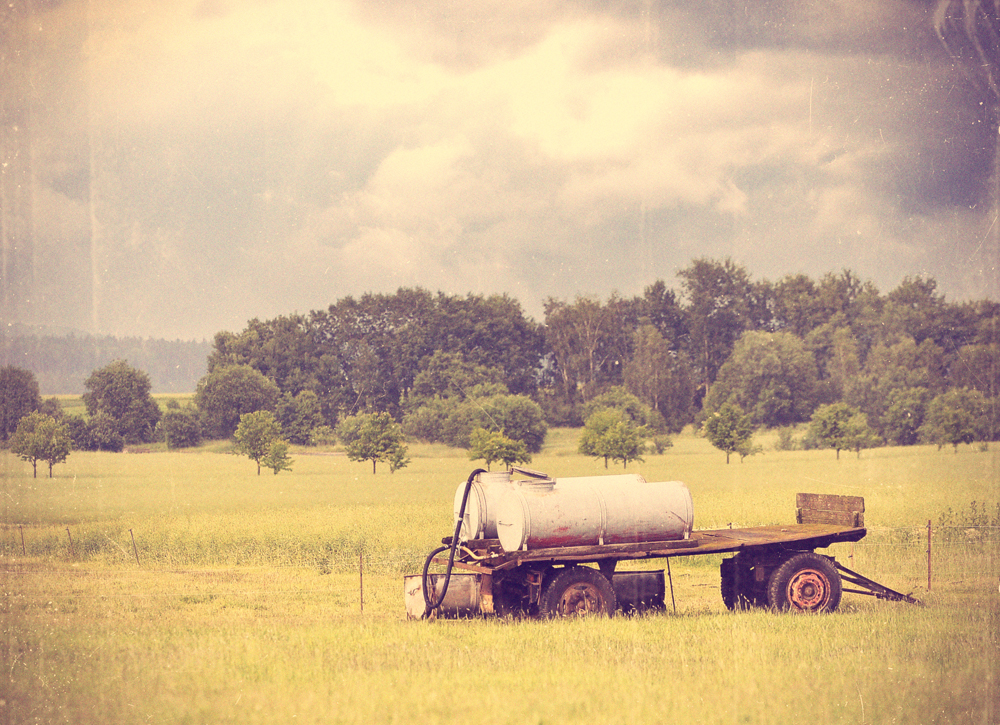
(777, 350)
(61, 363)
(723, 350)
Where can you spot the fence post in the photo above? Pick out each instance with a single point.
(361, 578)
(24, 551)
(71, 552)
(134, 549)
(928, 554)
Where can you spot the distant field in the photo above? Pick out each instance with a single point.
(246, 603)
(74, 403)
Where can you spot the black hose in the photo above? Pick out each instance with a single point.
(430, 605)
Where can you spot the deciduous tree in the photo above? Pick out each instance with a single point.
(771, 376)
(609, 434)
(256, 434)
(18, 396)
(123, 394)
(230, 391)
(660, 377)
(373, 437)
(589, 342)
(730, 430)
(720, 307)
(40, 437)
(900, 424)
(494, 446)
(956, 416)
(181, 427)
(858, 435)
(831, 426)
(277, 458)
(299, 416)
(633, 410)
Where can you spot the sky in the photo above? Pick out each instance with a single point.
(174, 169)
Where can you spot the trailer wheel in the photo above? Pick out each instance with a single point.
(577, 590)
(806, 582)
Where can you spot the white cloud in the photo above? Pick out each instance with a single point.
(545, 148)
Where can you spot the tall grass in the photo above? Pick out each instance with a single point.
(246, 603)
(260, 646)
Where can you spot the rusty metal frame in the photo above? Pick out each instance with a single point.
(872, 588)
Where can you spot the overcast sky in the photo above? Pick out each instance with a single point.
(189, 165)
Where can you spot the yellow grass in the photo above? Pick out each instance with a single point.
(246, 603)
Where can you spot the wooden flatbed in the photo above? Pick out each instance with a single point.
(486, 554)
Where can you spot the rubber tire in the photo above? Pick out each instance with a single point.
(577, 591)
(806, 582)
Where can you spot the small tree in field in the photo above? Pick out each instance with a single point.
(625, 442)
(374, 437)
(277, 458)
(859, 435)
(41, 438)
(830, 426)
(610, 434)
(495, 446)
(730, 430)
(256, 434)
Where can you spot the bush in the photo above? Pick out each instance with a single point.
(660, 444)
(452, 421)
(181, 427)
(785, 440)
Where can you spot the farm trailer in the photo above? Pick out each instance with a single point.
(522, 547)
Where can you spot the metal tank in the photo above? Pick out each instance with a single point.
(595, 510)
(481, 508)
(463, 599)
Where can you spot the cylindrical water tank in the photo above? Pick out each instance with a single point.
(481, 508)
(592, 511)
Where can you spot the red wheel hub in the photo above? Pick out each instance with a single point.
(808, 590)
(580, 598)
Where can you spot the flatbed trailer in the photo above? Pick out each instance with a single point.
(771, 566)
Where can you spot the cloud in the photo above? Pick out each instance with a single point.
(203, 162)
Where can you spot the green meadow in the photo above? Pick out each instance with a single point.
(180, 587)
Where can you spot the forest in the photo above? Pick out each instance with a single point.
(778, 350)
(61, 362)
(898, 368)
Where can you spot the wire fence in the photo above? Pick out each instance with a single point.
(928, 557)
(950, 553)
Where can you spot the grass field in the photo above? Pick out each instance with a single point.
(246, 602)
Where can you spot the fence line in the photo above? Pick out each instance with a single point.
(391, 563)
(342, 555)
